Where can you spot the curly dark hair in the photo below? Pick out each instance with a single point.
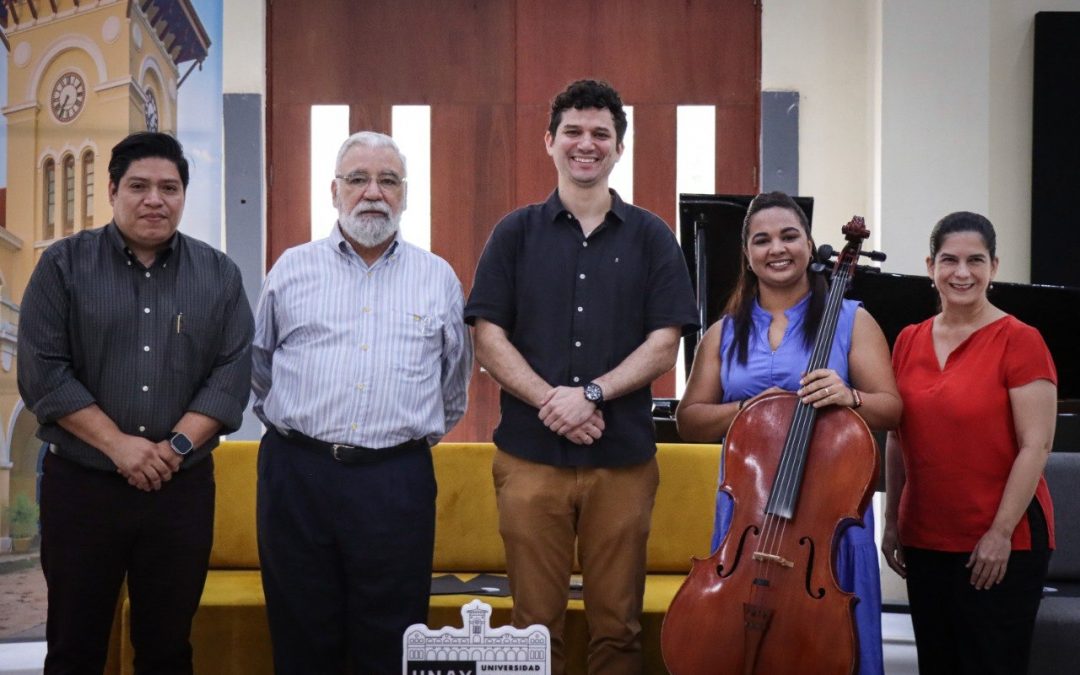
(589, 94)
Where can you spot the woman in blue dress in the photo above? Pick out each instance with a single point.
(762, 344)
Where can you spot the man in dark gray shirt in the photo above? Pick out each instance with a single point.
(134, 355)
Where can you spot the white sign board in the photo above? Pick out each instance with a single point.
(477, 648)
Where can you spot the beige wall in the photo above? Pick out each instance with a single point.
(243, 52)
(911, 109)
(826, 50)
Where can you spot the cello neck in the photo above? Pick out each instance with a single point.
(788, 481)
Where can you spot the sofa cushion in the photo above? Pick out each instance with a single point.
(466, 519)
(1063, 477)
(682, 519)
(466, 512)
(235, 543)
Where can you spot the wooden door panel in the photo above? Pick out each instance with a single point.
(289, 177)
(472, 181)
(488, 69)
(738, 128)
(370, 117)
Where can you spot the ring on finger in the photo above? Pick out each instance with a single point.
(827, 394)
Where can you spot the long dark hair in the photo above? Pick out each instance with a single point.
(740, 305)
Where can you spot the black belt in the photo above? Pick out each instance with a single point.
(351, 454)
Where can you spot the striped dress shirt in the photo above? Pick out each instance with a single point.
(370, 356)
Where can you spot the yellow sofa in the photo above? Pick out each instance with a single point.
(230, 633)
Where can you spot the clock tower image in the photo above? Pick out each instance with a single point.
(81, 75)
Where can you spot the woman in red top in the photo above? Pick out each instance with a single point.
(968, 518)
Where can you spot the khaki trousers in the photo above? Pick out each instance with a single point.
(542, 511)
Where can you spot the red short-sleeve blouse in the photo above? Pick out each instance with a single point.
(957, 433)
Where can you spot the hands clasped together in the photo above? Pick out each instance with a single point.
(146, 465)
(565, 411)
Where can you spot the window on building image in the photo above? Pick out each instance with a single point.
(88, 189)
(69, 195)
(48, 226)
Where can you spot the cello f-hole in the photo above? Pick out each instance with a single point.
(807, 541)
(753, 529)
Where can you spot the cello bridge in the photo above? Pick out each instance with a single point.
(772, 558)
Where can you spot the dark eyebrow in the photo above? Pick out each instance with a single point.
(147, 179)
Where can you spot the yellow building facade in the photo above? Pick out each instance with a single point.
(81, 75)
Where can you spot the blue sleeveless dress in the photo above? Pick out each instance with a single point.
(857, 557)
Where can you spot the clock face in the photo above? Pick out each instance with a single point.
(151, 110)
(68, 97)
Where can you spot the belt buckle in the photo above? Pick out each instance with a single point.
(340, 446)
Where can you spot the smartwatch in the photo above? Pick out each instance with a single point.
(180, 443)
(594, 393)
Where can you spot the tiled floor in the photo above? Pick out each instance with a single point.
(25, 658)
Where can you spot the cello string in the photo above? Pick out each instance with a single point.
(794, 456)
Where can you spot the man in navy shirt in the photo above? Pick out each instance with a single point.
(577, 306)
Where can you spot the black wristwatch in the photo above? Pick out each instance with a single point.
(180, 443)
(594, 393)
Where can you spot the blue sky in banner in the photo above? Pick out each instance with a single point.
(200, 130)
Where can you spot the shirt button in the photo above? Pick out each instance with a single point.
(146, 310)
(354, 427)
(146, 348)
(142, 428)
(364, 347)
(129, 263)
(577, 343)
(360, 387)
(145, 388)
(585, 243)
(577, 379)
(581, 309)
(147, 275)
(366, 310)
(581, 276)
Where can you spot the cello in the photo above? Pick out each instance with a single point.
(767, 602)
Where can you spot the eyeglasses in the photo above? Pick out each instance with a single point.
(387, 182)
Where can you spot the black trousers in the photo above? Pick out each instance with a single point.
(346, 555)
(963, 631)
(95, 529)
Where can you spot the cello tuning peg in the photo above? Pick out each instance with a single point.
(876, 256)
(825, 252)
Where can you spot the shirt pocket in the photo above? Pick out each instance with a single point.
(193, 342)
(418, 336)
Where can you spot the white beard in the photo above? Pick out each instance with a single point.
(367, 229)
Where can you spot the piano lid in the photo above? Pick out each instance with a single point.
(711, 227)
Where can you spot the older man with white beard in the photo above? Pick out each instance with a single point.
(361, 363)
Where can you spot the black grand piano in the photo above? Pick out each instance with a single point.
(710, 232)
